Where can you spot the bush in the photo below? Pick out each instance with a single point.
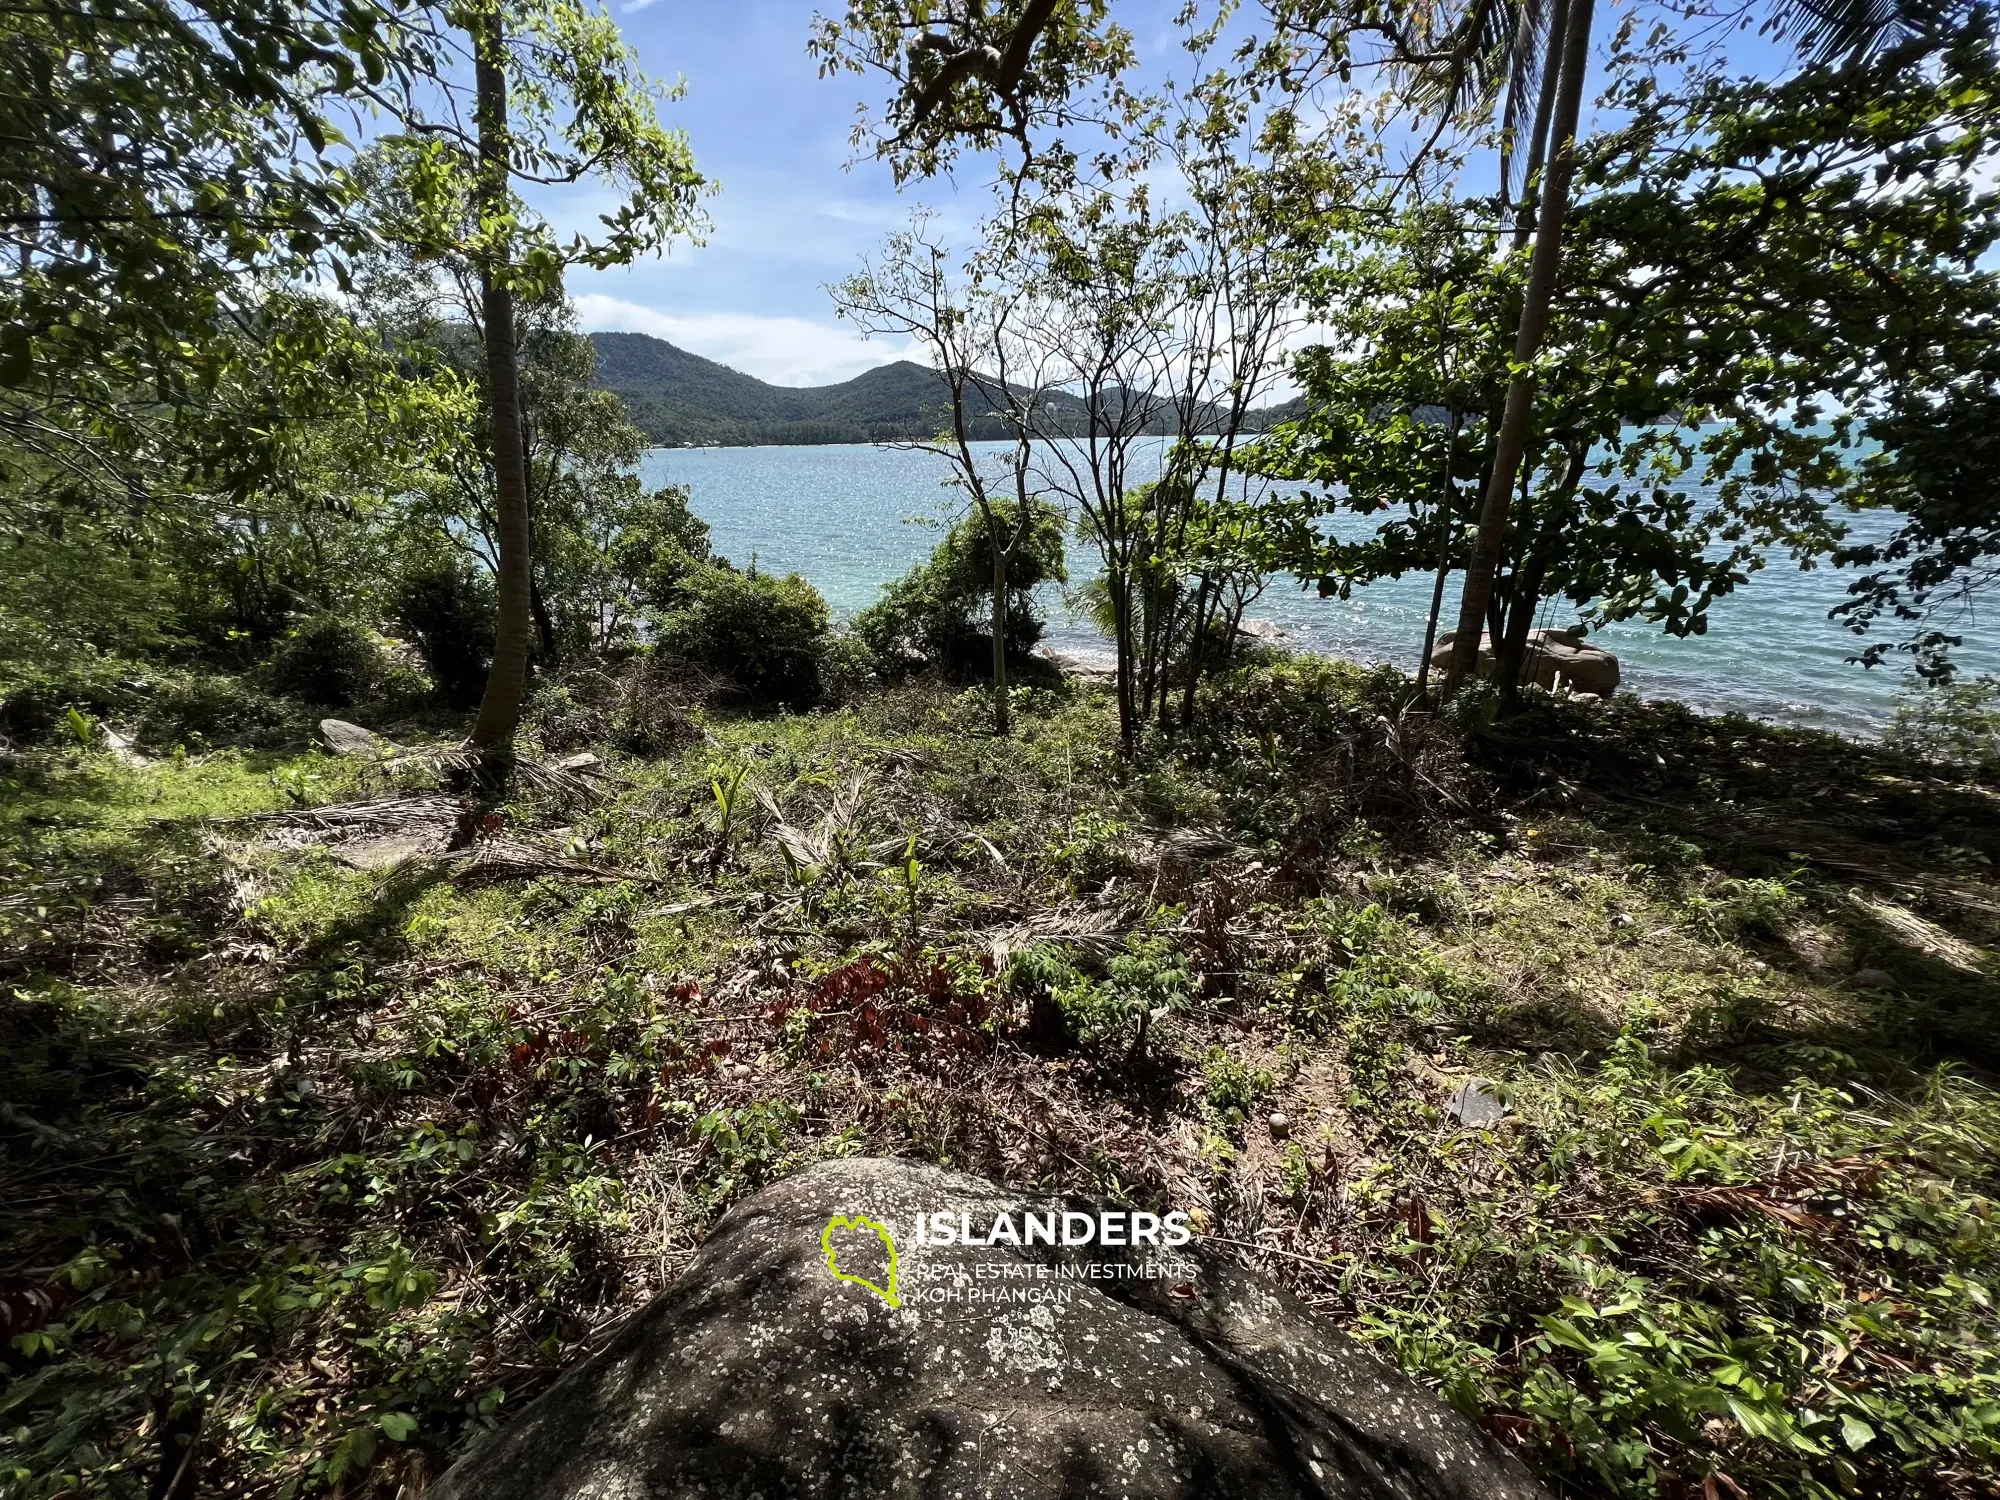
(940, 613)
(1954, 724)
(767, 635)
(35, 698)
(449, 611)
(328, 661)
(214, 710)
(652, 713)
(661, 546)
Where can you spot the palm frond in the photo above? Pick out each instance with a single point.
(1830, 30)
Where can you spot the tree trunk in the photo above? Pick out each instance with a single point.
(1001, 721)
(1205, 595)
(1511, 651)
(1512, 440)
(507, 682)
(1538, 144)
(538, 603)
(545, 623)
(1445, 504)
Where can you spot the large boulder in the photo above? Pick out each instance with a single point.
(805, 1352)
(1553, 657)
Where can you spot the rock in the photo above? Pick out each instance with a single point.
(386, 851)
(343, 738)
(121, 748)
(1553, 657)
(1262, 630)
(1475, 1106)
(807, 1352)
(583, 760)
(1871, 979)
(1281, 1125)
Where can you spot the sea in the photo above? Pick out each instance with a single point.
(850, 518)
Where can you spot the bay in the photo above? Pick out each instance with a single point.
(850, 518)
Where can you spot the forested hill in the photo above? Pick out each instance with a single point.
(678, 397)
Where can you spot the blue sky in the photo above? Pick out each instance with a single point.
(795, 210)
(792, 214)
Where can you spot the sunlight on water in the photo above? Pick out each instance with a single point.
(851, 518)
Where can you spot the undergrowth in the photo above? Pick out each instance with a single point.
(314, 1171)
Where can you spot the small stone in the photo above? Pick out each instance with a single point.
(583, 760)
(1871, 979)
(1475, 1106)
(1281, 1125)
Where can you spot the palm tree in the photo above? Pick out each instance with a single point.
(1510, 47)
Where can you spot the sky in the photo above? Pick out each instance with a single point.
(791, 214)
(795, 211)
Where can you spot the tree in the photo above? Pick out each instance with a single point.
(168, 167)
(938, 608)
(1493, 50)
(1744, 302)
(966, 326)
(966, 73)
(556, 98)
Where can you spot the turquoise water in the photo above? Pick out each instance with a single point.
(851, 518)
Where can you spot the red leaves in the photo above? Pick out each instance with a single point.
(701, 1058)
(908, 1005)
(24, 1309)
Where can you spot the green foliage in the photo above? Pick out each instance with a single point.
(1142, 985)
(661, 544)
(1808, 1333)
(1949, 723)
(328, 661)
(765, 634)
(940, 613)
(1749, 907)
(1748, 373)
(1231, 1089)
(446, 608)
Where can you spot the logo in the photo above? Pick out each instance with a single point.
(860, 1222)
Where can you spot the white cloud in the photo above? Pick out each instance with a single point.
(784, 351)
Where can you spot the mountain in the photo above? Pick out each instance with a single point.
(679, 398)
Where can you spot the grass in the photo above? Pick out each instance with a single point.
(315, 1172)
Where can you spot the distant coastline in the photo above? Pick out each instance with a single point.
(680, 400)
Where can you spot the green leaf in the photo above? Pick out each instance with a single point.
(397, 1425)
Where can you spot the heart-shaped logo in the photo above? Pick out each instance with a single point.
(886, 1290)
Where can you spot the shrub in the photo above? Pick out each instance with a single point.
(661, 546)
(652, 714)
(940, 613)
(35, 698)
(214, 710)
(449, 611)
(1231, 1089)
(766, 634)
(1954, 724)
(328, 661)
